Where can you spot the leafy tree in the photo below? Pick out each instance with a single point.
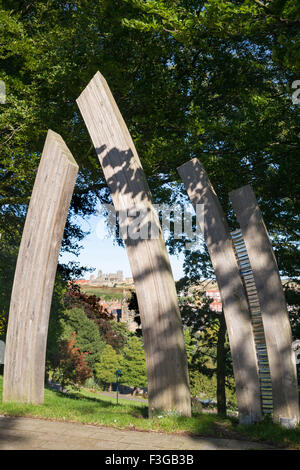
(121, 330)
(73, 368)
(88, 338)
(55, 328)
(109, 363)
(207, 79)
(233, 64)
(133, 364)
(110, 332)
(190, 345)
(206, 342)
(2, 324)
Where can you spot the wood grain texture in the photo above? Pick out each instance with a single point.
(272, 304)
(234, 301)
(24, 371)
(168, 386)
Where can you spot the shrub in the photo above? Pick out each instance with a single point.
(88, 338)
(133, 364)
(73, 368)
(107, 366)
(205, 386)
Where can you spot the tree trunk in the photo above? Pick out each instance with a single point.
(221, 367)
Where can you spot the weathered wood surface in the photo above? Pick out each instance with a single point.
(272, 304)
(234, 301)
(168, 387)
(31, 297)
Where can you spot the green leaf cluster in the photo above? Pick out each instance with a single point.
(88, 338)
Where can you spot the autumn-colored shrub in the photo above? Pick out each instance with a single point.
(73, 368)
(73, 297)
(110, 333)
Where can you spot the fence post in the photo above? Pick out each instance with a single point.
(234, 301)
(273, 308)
(168, 387)
(24, 370)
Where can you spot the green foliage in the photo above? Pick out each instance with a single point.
(192, 79)
(108, 364)
(133, 364)
(120, 329)
(55, 328)
(190, 345)
(72, 368)
(3, 321)
(88, 338)
(205, 387)
(104, 293)
(110, 333)
(8, 258)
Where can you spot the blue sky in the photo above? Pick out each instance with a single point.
(98, 251)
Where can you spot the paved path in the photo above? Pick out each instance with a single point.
(38, 434)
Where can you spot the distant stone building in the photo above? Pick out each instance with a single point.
(106, 279)
(121, 313)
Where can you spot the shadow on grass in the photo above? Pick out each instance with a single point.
(129, 408)
(78, 397)
(139, 412)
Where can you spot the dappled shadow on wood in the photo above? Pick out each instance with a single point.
(272, 302)
(234, 300)
(168, 387)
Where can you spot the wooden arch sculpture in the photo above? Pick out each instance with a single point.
(253, 302)
(168, 384)
(234, 301)
(24, 371)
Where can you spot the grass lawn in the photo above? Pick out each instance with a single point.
(104, 293)
(89, 408)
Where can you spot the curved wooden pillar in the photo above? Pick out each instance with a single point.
(24, 371)
(168, 387)
(273, 308)
(234, 301)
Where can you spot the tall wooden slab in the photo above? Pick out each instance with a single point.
(234, 301)
(168, 387)
(272, 304)
(31, 297)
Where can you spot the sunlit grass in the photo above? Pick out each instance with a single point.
(105, 293)
(90, 408)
